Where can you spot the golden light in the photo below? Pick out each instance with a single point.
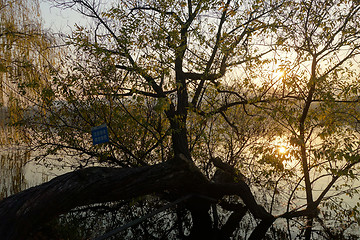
(282, 150)
(278, 74)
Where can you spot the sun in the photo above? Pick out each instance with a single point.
(278, 74)
(282, 149)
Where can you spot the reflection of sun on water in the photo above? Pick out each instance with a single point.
(283, 149)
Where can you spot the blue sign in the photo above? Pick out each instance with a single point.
(100, 134)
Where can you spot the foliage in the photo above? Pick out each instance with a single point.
(212, 79)
(26, 61)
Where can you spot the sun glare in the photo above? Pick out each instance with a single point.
(282, 149)
(278, 74)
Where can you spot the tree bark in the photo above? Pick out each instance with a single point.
(22, 212)
(25, 211)
(308, 228)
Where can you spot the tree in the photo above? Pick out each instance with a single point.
(24, 60)
(24, 68)
(184, 79)
(323, 40)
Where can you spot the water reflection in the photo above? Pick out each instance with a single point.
(18, 171)
(12, 175)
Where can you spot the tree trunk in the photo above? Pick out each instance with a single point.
(25, 211)
(308, 228)
(22, 212)
(202, 227)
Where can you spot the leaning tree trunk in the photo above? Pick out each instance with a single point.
(22, 212)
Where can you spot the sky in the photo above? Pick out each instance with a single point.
(59, 20)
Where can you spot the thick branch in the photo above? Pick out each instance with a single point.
(23, 212)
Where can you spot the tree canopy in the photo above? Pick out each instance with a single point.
(247, 111)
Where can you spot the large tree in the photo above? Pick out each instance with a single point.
(192, 101)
